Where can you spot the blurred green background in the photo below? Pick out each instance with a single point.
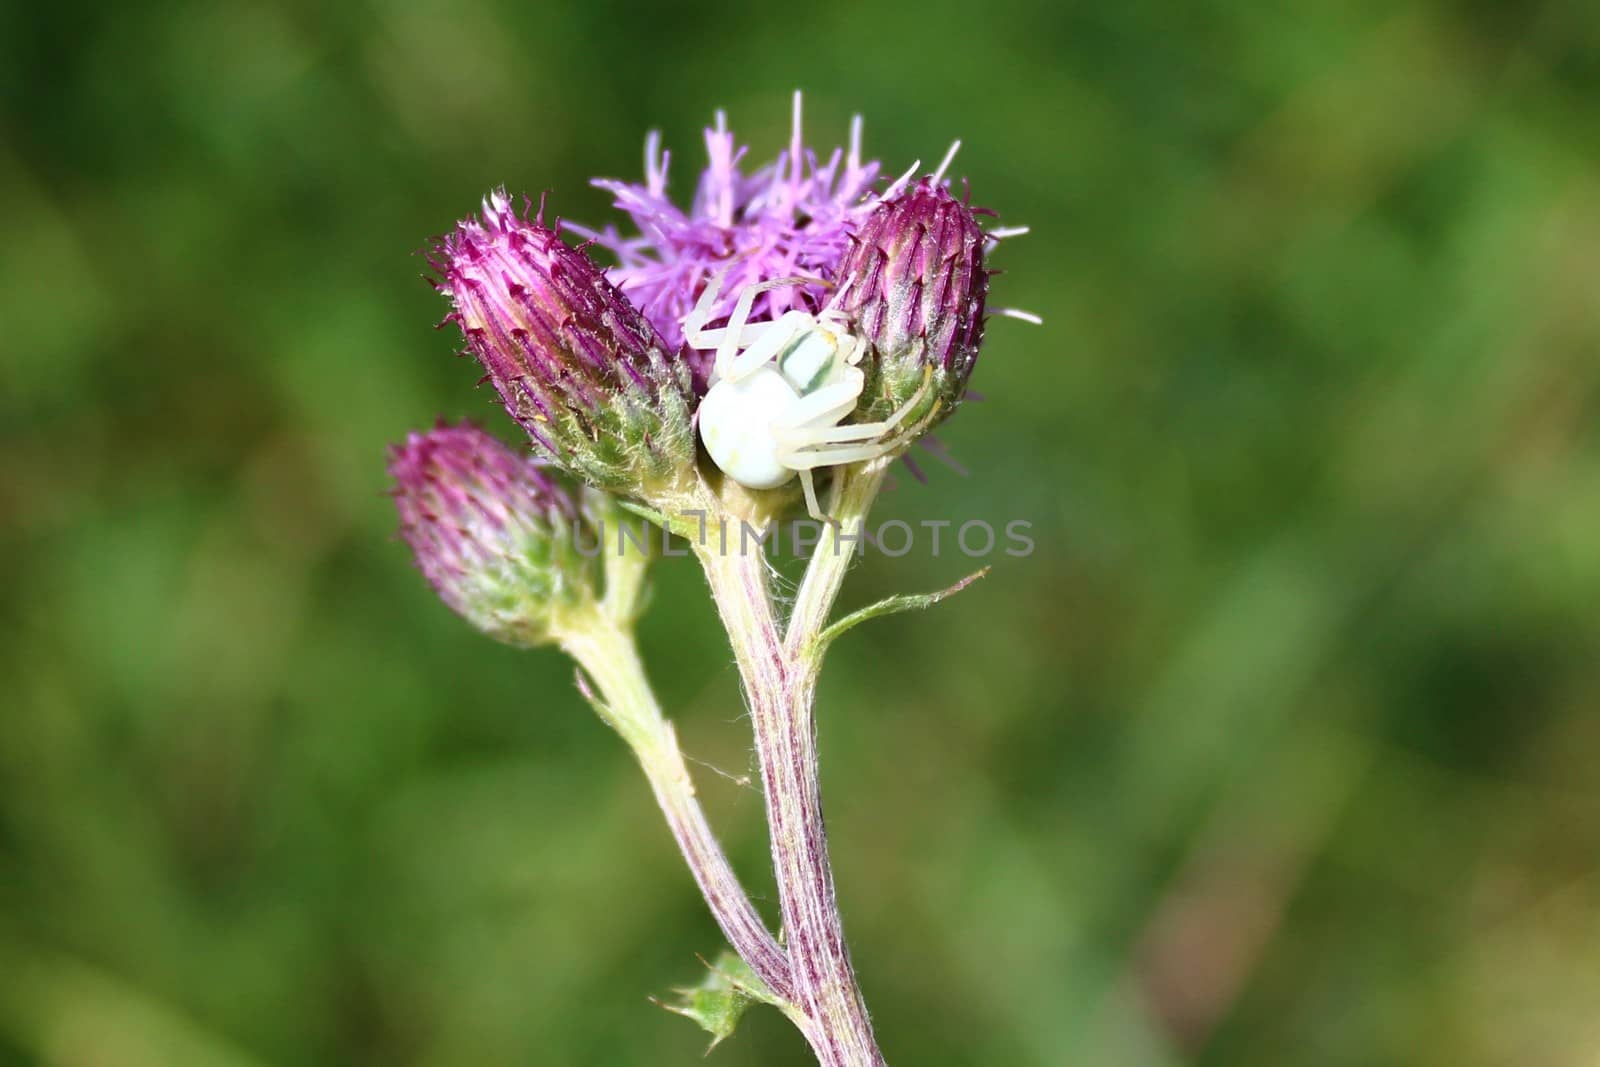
(1280, 749)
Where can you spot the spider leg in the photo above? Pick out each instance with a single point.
(809, 485)
(833, 457)
(708, 339)
(857, 350)
(741, 315)
(807, 455)
(821, 408)
(860, 431)
(765, 347)
(701, 314)
(830, 453)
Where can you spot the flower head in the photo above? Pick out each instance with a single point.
(915, 286)
(493, 533)
(792, 217)
(574, 362)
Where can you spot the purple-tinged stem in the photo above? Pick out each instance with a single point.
(610, 657)
(779, 677)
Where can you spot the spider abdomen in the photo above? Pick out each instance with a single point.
(736, 422)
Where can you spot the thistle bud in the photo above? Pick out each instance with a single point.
(914, 285)
(491, 530)
(576, 365)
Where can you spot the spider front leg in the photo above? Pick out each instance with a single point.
(765, 340)
(700, 314)
(738, 331)
(705, 340)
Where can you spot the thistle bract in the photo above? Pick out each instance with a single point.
(493, 533)
(576, 364)
(914, 285)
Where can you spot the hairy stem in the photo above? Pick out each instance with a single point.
(779, 673)
(607, 653)
(855, 488)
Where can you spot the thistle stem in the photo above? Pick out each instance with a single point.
(607, 653)
(779, 672)
(855, 488)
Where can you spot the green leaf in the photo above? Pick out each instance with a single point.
(722, 998)
(889, 606)
(657, 517)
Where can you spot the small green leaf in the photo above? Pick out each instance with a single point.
(643, 512)
(889, 606)
(720, 1001)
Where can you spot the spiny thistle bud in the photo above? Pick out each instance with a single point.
(914, 285)
(576, 364)
(491, 530)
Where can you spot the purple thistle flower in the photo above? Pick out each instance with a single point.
(575, 363)
(492, 532)
(915, 286)
(793, 217)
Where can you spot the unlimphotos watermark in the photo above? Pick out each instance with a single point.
(972, 538)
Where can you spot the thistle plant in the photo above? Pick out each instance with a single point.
(808, 321)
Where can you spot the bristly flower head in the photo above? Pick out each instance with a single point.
(491, 530)
(792, 217)
(574, 362)
(915, 286)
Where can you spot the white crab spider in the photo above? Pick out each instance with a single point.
(779, 390)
